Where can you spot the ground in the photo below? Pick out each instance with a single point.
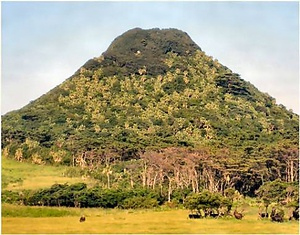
(162, 220)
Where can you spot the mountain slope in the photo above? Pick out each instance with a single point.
(150, 89)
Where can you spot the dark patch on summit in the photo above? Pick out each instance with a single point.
(139, 48)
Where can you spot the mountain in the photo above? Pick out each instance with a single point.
(150, 90)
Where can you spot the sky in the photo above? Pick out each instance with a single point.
(44, 43)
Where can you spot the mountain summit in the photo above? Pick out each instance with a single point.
(150, 89)
(138, 48)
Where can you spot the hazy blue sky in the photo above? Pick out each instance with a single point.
(44, 43)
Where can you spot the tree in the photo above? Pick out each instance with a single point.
(276, 192)
(206, 202)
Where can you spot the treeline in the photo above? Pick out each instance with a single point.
(178, 169)
(79, 195)
(217, 171)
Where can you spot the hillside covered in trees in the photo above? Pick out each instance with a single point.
(155, 111)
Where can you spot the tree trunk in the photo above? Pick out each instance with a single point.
(292, 171)
(196, 181)
(154, 181)
(144, 176)
(131, 181)
(108, 180)
(169, 191)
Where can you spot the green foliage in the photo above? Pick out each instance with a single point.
(139, 49)
(78, 195)
(278, 191)
(207, 200)
(10, 197)
(139, 203)
(74, 172)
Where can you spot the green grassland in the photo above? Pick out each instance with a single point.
(17, 176)
(66, 221)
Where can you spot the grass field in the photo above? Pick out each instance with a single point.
(66, 221)
(30, 176)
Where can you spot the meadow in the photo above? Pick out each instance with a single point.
(17, 176)
(42, 220)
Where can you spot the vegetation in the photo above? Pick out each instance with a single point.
(165, 218)
(142, 51)
(18, 176)
(34, 212)
(154, 120)
(78, 195)
(206, 202)
(279, 192)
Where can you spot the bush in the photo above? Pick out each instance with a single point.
(207, 200)
(139, 203)
(74, 172)
(10, 197)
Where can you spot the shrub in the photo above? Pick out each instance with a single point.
(207, 200)
(139, 203)
(10, 197)
(74, 172)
